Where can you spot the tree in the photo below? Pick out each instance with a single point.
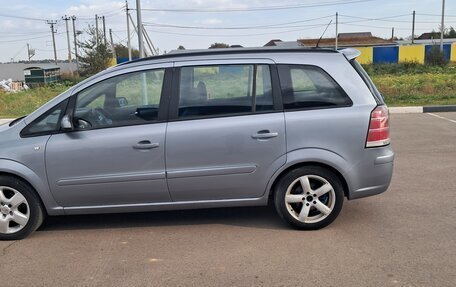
(181, 47)
(219, 45)
(96, 55)
(451, 33)
(122, 51)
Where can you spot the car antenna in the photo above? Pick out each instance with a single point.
(327, 26)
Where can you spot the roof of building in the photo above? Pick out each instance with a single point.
(355, 35)
(283, 44)
(348, 40)
(273, 42)
(43, 67)
(430, 35)
(427, 41)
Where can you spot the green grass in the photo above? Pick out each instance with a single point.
(22, 103)
(414, 84)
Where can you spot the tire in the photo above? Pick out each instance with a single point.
(21, 212)
(309, 198)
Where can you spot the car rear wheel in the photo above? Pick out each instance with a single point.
(21, 212)
(309, 197)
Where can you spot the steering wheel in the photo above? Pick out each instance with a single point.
(103, 118)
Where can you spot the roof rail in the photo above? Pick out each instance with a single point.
(228, 51)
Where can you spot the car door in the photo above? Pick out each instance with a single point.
(226, 134)
(115, 154)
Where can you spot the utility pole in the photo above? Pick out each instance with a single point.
(392, 34)
(140, 32)
(337, 30)
(66, 18)
(75, 43)
(52, 23)
(442, 26)
(104, 29)
(96, 29)
(128, 31)
(28, 52)
(136, 31)
(112, 45)
(413, 28)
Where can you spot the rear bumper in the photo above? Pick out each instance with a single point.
(372, 175)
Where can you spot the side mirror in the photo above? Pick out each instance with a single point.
(66, 123)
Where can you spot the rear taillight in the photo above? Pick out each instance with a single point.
(378, 134)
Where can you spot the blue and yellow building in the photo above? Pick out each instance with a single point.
(377, 50)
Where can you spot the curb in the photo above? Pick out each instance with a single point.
(419, 110)
(4, 121)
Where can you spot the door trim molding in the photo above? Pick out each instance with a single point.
(110, 178)
(224, 170)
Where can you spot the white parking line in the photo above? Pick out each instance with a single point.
(443, 118)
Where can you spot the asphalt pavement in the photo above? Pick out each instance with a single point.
(404, 237)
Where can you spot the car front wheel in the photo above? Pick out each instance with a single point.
(309, 197)
(21, 212)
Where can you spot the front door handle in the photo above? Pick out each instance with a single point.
(265, 134)
(145, 145)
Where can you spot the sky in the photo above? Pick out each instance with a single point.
(250, 23)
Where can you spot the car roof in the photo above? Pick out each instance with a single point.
(230, 51)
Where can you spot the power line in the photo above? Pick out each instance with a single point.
(107, 13)
(231, 28)
(22, 17)
(264, 8)
(287, 24)
(45, 50)
(435, 15)
(384, 19)
(238, 35)
(268, 26)
(20, 51)
(381, 27)
(14, 36)
(26, 39)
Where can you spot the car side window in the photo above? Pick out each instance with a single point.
(310, 87)
(263, 87)
(224, 90)
(128, 99)
(48, 123)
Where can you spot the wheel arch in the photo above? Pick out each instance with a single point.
(40, 187)
(312, 157)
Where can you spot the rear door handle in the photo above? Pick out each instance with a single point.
(142, 145)
(265, 134)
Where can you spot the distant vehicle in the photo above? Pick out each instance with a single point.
(217, 128)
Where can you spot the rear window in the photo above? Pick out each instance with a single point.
(307, 87)
(367, 80)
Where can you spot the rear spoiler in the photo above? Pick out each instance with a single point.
(350, 53)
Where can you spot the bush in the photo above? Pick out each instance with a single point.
(435, 57)
(403, 69)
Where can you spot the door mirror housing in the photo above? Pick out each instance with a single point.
(66, 123)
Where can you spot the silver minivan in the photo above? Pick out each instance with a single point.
(303, 128)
